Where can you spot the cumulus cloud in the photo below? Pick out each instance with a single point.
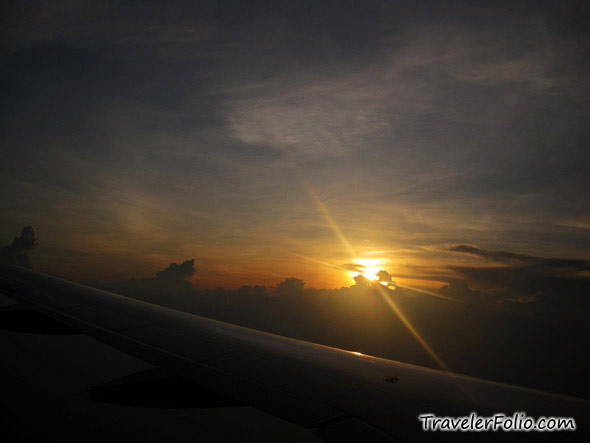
(176, 273)
(17, 252)
(361, 281)
(290, 286)
(169, 287)
(385, 276)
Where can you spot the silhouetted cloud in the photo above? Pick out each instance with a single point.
(17, 252)
(385, 276)
(176, 273)
(361, 281)
(290, 286)
(168, 287)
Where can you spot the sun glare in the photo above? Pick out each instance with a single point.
(368, 267)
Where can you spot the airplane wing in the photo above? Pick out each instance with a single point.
(341, 395)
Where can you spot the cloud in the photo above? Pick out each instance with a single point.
(323, 119)
(557, 283)
(511, 257)
(17, 252)
(385, 276)
(176, 273)
(169, 287)
(290, 286)
(361, 281)
(459, 290)
(495, 255)
(354, 267)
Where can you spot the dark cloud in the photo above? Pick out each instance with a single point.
(555, 283)
(492, 255)
(511, 257)
(385, 276)
(458, 289)
(169, 286)
(361, 281)
(177, 273)
(290, 286)
(17, 252)
(559, 287)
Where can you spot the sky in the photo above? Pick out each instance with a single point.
(264, 140)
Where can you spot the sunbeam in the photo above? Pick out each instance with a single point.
(396, 309)
(421, 291)
(324, 211)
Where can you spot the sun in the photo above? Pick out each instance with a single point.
(368, 267)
